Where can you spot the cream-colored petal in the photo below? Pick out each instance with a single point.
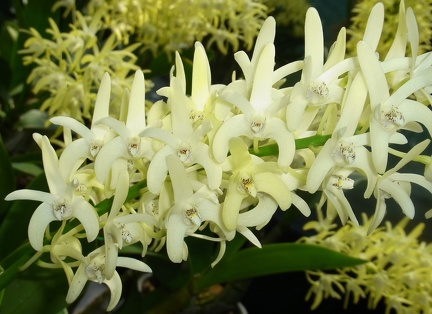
(115, 286)
(136, 120)
(260, 214)
(88, 217)
(231, 205)
(30, 195)
(77, 284)
(176, 230)
(260, 97)
(101, 108)
(373, 75)
(133, 263)
(74, 125)
(158, 169)
(271, 184)
(201, 77)
(181, 185)
(314, 41)
(39, 221)
(400, 196)
(236, 126)
(374, 26)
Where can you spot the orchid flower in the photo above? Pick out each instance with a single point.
(184, 141)
(252, 177)
(190, 210)
(393, 184)
(62, 203)
(92, 268)
(319, 83)
(92, 139)
(390, 113)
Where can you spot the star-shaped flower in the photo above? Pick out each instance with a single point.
(62, 203)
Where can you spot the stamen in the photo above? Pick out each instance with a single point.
(341, 182)
(193, 216)
(392, 118)
(62, 210)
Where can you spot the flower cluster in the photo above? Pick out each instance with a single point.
(171, 26)
(359, 17)
(223, 159)
(69, 66)
(397, 274)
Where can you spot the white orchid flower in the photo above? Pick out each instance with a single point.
(62, 203)
(390, 113)
(184, 141)
(92, 268)
(190, 210)
(393, 184)
(92, 139)
(252, 177)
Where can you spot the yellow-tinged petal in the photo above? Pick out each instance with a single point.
(39, 221)
(273, 185)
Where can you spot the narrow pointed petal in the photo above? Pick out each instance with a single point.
(73, 156)
(314, 41)
(30, 195)
(135, 120)
(39, 221)
(240, 153)
(266, 35)
(101, 108)
(77, 284)
(157, 171)
(181, 123)
(133, 263)
(409, 156)
(74, 125)
(260, 214)
(374, 26)
(413, 35)
(301, 204)
(88, 217)
(245, 64)
(233, 127)
(398, 46)
(213, 170)
(180, 73)
(249, 235)
(181, 185)
(400, 196)
(111, 151)
(201, 77)
(277, 130)
(111, 255)
(421, 80)
(373, 74)
(320, 167)
(231, 206)
(115, 286)
(240, 101)
(260, 97)
(176, 230)
(379, 145)
(271, 184)
(380, 211)
(337, 51)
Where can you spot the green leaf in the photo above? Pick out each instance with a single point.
(44, 292)
(7, 181)
(273, 259)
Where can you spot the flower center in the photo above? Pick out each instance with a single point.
(95, 147)
(126, 234)
(392, 119)
(341, 182)
(344, 153)
(193, 216)
(184, 152)
(134, 146)
(258, 123)
(62, 210)
(247, 185)
(317, 92)
(95, 270)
